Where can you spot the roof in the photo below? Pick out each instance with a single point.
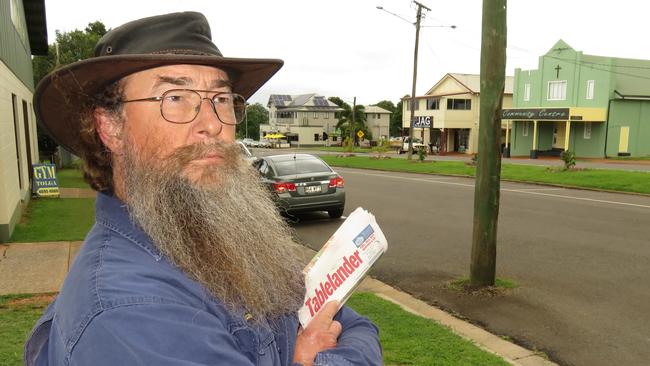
(470, 82)
(376, 109)
(36, 26)
(301, 102)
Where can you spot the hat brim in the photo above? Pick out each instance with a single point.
(61, 95)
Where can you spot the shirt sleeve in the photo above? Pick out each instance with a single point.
(156, 334)
(358, 343)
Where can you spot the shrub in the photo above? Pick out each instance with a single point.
(569, 159)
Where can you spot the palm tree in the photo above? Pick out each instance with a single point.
(345, 117)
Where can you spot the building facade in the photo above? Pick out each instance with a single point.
(447, 115)
(593, 106)
(306, 119)
(378, 121)
(22, 33)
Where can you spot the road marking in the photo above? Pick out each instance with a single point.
(538, 189)
(525, 191)
(579, 198)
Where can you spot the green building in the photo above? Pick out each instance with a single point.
(592, 105)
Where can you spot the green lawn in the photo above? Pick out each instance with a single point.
(55, 219)
(71, 178)
(18, 313)
(406, 338)
(614, 180)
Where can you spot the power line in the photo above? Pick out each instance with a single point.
(592, 64)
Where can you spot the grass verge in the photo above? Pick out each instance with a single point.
(18, 314)
(612, 180)
(71, 178)
(408, 339)
(55, 219)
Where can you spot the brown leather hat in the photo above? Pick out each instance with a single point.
(170, 39)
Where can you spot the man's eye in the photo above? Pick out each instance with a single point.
(223, 99)
(174, 98)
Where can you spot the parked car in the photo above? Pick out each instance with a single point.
(417, 144)
(247, 153)
(248, 141)
(264, 143)
(302, 183)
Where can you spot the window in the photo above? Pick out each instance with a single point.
(459, 104)
(556, 90)
(433, 103)
(326, 115)
(18, 21)
(284, 115)
(524, 130)
(587, 132)
(316, 136)
(315, 114)
(408, 105)
(526, 92)
(14, 104)
(590, 90)
(378, 116)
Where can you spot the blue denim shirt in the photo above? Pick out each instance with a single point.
(123, 303)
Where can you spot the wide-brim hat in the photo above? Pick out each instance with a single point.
(170, 39)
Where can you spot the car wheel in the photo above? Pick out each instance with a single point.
(335, 214)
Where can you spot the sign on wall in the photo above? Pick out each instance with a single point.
(45, 183)
(561, 114)
(422, 122)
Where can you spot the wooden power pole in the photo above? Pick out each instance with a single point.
(415, 77)
(352, 139)
(488, 168)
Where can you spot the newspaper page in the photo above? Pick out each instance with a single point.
(342, 262)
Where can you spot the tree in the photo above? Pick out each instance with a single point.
(256, 115)
(345, 117)
(396, 120)
(72, 46)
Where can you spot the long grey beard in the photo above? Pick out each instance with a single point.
(225, 234)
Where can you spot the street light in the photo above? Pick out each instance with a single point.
(415, 65)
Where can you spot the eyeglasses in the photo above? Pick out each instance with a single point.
(183, 105)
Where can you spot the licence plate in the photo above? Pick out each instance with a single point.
(312, 189)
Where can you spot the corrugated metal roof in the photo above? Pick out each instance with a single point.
(376, 109)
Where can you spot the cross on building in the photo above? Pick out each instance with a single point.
(557, 69)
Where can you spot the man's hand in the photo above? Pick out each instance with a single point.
(321, 334)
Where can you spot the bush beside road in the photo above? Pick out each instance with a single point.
(600, 179)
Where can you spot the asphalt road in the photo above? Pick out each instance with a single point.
(581, 260)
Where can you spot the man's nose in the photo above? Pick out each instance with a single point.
(207, 122)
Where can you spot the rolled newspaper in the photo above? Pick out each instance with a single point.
(341, 264)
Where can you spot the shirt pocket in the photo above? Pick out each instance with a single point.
(257, 344)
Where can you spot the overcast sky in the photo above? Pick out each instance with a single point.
(349, 48)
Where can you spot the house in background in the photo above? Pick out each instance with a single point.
(378, 121)
(449, 113)
(304, 119)
(592, 105)
(23, 33)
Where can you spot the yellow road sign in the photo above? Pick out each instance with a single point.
(360, 134)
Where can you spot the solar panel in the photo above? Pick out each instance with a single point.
(320, 102)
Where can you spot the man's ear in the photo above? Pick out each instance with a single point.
(109, 130)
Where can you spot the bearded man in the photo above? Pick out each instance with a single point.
(188, 262)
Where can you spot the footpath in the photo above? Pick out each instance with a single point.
(42, 267)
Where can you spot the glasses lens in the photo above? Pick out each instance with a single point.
(180, 106)
(230, 107)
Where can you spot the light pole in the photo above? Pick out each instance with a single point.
(415, 65)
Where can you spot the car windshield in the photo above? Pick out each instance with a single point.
(299, 166)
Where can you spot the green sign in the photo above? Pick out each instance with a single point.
(44, 183)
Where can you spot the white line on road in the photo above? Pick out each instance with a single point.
(524, 191)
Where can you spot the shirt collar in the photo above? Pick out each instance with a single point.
(113, 214)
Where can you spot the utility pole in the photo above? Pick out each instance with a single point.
(488, 167)
(354, 106)
(409, 156)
